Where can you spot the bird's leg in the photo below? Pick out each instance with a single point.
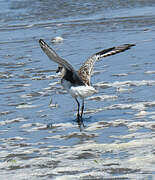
(82, 108)
(78, 114)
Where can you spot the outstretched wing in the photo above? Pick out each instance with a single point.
(73, 75)
(54, 56)
(85, 70)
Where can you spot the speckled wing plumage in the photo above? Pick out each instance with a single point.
(85, 70)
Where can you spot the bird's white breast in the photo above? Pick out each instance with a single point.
(82, 91)
(78, 91)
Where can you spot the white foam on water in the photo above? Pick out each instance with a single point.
(103, 97)
(141, 107)
(26, 106)
(129, 83)
(30, 127)
(120, 74)
(138, 125)
(86, 159)
(144, 113)
(122, 89)
(10, 121)
(149, 72)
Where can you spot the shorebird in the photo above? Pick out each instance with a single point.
(77, 83)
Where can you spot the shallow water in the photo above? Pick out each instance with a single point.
(38, 141)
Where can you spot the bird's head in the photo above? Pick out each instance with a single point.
(61, 70)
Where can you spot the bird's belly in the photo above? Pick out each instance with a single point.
(82, 91)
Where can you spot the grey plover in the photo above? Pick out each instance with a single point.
(77, 83)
